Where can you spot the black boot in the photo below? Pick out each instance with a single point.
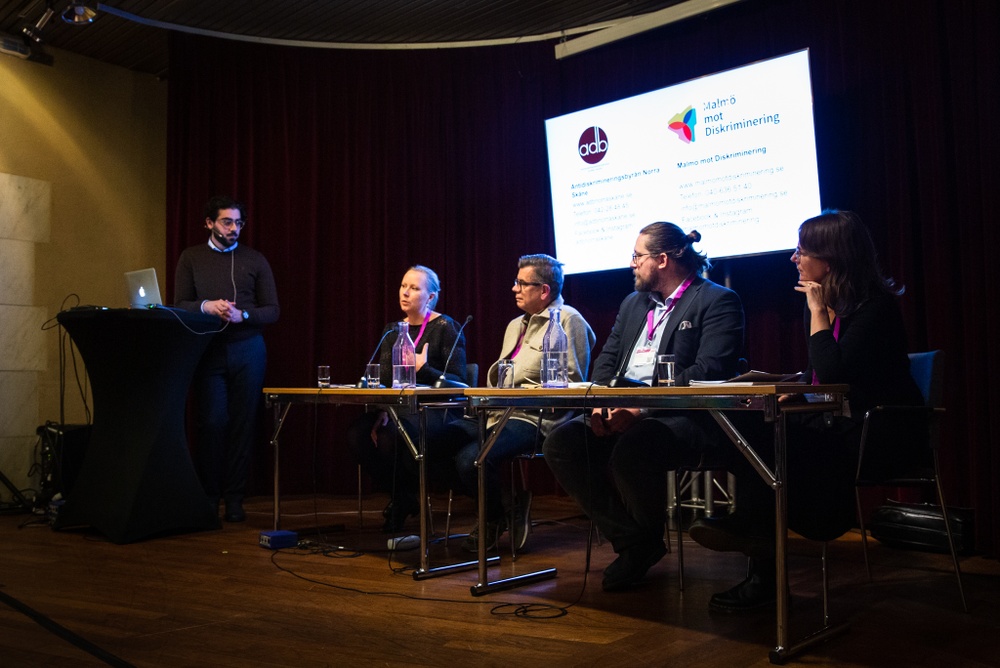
(757, 592)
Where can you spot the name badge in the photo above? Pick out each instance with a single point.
(645, 356)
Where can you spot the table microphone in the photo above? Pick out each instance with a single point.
(620, 379)
(442, 381)
(363, 383)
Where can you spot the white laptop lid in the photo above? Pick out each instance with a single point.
(143, 289)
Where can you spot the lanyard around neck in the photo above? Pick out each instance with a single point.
(520, 337)
(423, 326)
(670, 304)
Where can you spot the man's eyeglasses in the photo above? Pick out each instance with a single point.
(229, 222)
(636, 256)
(520, 285)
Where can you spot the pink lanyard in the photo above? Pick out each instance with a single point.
(422, 327)
(671, 302)
(836, 337)
(520, 339)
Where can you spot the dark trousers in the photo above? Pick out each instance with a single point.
(620, 480)
(389, 462)
(228, 384)
(517, 438)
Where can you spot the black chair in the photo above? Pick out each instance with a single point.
(883, 427)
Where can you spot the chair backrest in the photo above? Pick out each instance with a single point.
(927, 370)
(472, 374)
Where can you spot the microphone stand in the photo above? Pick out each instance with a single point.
(620, 379)
(363, 383)
(442, 381)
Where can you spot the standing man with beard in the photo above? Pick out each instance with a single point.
(673, 310)
(234, 283)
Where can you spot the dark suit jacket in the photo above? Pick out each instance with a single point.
(705, 331)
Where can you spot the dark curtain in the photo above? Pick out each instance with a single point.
(356, 164)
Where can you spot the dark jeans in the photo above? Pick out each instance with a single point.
(228, 384)
(620, 480)
(389, 462)
(517, 438)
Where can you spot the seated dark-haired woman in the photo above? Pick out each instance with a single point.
(855, 336)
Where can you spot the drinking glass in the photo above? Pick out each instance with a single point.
(505, 373)
(665, 369)
(372, 375)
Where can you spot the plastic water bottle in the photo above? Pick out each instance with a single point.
(555, 353)
(404, 359)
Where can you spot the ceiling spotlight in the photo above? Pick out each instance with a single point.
(35, 32)
(78, 14)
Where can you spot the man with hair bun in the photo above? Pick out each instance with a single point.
(674, 310)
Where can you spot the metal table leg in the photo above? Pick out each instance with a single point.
(424, 571)
(484, 586)
(280, 413)
(782, 651)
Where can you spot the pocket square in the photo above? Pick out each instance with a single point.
(686, 324)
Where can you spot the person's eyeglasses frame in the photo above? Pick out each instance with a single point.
(636, 256)
(520, 285)
(798, 252)
(229, 222)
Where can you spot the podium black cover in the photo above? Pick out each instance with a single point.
(137, 479)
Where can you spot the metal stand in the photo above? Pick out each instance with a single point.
(21, 505)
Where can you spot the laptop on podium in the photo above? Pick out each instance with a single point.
(143, 289)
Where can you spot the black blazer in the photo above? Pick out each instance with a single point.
(870, 356)
(705, 331)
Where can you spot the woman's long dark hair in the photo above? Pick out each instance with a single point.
(842, 240)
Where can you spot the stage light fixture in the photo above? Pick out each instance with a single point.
(34, 32)
(78, 14)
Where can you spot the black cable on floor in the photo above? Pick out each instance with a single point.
(64, 633)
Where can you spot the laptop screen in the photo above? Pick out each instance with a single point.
(143, 289)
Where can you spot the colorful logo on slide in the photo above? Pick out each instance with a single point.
(683, 124)
(593, 145)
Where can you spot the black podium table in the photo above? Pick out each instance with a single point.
(137, 479)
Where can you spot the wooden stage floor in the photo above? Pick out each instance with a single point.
(218, 599)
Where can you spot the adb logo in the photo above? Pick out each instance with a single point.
(593, 145)
(683, 125)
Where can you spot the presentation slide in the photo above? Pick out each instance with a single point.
(732, 155)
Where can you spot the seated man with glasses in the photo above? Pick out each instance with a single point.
(673, 311)
(538, 288)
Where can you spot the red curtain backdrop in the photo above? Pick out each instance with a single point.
(357, 164)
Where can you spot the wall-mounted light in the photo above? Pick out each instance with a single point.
(35, 32)
(78, 14)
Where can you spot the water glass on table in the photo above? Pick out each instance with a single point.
(372, 376)
(323, 375)
(505, 373)
(665, 370)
